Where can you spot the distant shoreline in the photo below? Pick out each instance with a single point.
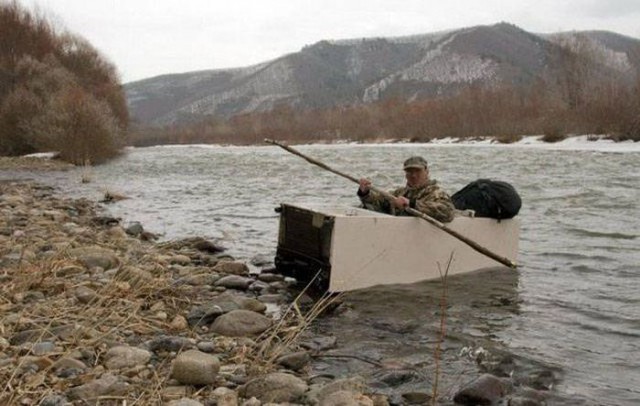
(601, 143)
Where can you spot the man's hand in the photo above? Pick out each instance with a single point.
(365, 185)
(401, 202)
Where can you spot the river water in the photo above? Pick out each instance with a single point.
(572, 309)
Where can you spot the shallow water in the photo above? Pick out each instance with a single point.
(573, 307)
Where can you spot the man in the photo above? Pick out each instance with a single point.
(420, 193)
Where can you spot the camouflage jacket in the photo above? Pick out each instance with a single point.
(429, 199)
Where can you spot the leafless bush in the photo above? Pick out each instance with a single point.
(57, 92)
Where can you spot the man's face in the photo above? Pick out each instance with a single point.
(416, 176)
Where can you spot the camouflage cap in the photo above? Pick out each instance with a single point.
(415, 162)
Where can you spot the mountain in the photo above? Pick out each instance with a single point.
(351, 72)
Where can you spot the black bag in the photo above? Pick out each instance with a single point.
(488, 198)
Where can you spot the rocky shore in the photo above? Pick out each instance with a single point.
(95, 313)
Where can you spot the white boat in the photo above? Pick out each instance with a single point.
(343, 249)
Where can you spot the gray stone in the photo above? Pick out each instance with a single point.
(69, 363)
(95, 256)
(240, 323)
(272, 298)
(320, 343)
(134, 229)
(253, 401)
(206, 346)
(54, 400)
(294, 361)
(169, 344)
(107, 385)
(346, 398)
(85, 294)
(27, 336)
(248, 303)
(204, 315)
(194, 367)
(270, 277)
(484, 390)
(523, 401)
(225, 397)
(126, 357)
(318, 394)
(43, 348)
(276, 387)
(417, 398)
(229, 267)
(234, 282)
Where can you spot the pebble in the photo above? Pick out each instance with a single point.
(125, 357)
(194, 367)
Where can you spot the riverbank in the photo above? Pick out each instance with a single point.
(96, 312)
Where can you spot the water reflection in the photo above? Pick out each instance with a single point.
(396, 328)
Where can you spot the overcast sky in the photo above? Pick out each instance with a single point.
(146, 38)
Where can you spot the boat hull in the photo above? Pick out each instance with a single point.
(342, 249)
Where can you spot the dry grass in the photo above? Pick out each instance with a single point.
(285, 334)
(117, 312)
(442, 332)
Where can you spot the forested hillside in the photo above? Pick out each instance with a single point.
(494, 80)
(57, 93)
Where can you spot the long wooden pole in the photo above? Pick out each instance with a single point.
(413, 212)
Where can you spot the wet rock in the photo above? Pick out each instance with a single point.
(321, 343)
(107, 385)
(416, 398)
(318, 394)
(523, 401)
(169, 344)
(94, 256)
(134, 229)
(542, 380)
(204, 315)
(295, 361)
(232, 268)
(258, 286)
(184, 402)
(206, 246)
(272, 298)
(240, 323)
(105, 221)
(397, 378)
(125, 357)
(252, 304)
(484, 390)
(346, 398)
(234, 282)
(194, 367)
(276, 387)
